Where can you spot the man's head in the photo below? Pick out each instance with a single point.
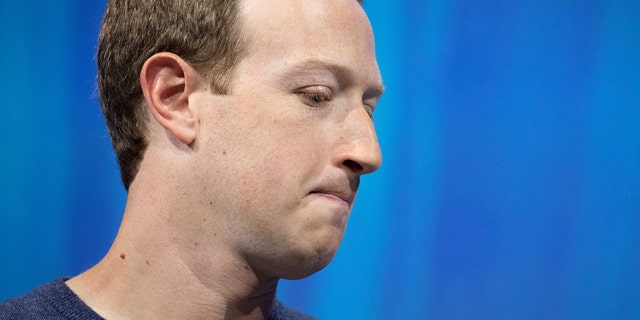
(266, 167)
(205, 33)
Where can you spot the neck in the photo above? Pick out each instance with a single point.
(169, 274)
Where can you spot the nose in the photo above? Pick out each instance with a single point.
(359, 150)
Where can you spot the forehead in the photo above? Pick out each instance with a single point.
(287, 32)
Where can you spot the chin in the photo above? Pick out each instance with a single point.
(310, 260)
(297, 257)
(304, 269)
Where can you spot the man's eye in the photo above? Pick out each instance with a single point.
(370, 110)
(316, 95)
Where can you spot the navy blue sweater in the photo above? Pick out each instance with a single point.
(56, 301)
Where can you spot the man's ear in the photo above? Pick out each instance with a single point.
(167, 81)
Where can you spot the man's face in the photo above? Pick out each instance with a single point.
(283, 152)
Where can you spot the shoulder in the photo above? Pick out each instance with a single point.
(51, 301)
(33, 305)
(282, 312)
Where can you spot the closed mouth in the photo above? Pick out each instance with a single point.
(346, 197)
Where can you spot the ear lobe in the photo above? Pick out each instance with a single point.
(167, 81)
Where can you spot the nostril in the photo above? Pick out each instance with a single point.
(353, 166)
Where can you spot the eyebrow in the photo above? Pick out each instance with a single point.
(375, 89)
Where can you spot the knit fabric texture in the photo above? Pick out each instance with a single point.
(56, 301)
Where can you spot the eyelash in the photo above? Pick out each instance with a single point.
(369, 111)
(315, 98)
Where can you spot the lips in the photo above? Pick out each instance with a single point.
(346, 196)
(341, 189)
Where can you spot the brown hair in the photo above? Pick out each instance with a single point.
(205, 33)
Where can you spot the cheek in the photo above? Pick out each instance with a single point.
(277, 165)
(264, 152)
(277, 173)
(283, 147)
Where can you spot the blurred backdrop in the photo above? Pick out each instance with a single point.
(510, 187)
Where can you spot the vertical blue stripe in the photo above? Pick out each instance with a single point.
(35, 166)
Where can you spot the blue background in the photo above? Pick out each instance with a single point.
(510, 187)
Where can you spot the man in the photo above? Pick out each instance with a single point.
(242, 129)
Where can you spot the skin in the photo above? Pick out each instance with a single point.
(237, 191)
